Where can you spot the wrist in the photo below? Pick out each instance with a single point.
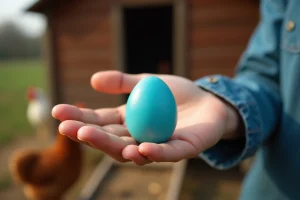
(234, 124)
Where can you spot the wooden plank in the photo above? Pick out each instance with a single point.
(77, 78)
(80, 90)
(82, 7)
(85, 62)
(84, 40)
(214, 59)
(220, 51)
(95, 66)
(212, 69)
(49, 55)
(133, 3)
(219, 61)
(88, 17)
(76, 59)
(219, 36)
(213, 64)
(206, 3)
(116, 17)
(78, 75)
(85, 31)
(86, 54)
(90, 188)
(89, 192)
(179, 40)
(219, 31)
(206, 58)
(200, 72)
(98, 23)
(224, 15)
(176, 181)
(52, 56)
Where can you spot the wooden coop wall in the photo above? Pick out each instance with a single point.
(83, 38)
(217, 34)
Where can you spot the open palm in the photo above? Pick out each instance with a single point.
(202, 121)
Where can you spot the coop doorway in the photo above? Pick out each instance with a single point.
(149, 37)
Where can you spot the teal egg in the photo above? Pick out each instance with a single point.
(151, 111)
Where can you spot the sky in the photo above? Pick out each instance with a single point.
(14, 10)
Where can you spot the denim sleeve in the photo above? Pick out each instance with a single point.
(254, 91)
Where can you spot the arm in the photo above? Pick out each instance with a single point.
(253, 92)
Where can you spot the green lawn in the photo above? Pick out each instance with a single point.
(15, 78)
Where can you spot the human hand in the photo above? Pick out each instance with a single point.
(203, 119)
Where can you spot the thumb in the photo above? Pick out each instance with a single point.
(114, 82)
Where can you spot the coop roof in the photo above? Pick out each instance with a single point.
(42, 6)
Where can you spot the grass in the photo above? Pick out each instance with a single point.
(5, 182)
(15, 77)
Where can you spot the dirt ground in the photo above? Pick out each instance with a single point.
(203, 182)
(135, 184)
(200, 182)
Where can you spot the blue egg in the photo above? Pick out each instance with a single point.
(151, 111)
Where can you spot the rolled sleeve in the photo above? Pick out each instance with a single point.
(254, 91)
(228, 153)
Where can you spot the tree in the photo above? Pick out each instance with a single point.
(14, 44)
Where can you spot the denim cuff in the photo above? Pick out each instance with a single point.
(228, 153)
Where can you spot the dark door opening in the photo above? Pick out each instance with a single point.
(148, 39)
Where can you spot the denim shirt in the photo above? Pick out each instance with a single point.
(266, 93)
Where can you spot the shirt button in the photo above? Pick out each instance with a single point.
(290, 25)
(212, 80)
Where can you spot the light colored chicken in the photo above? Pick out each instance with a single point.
(39, 111)
(48, 174)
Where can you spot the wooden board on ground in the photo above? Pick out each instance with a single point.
(203, 182)
(113, 180)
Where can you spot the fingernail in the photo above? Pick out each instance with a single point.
(80, 135)
(142, 151)
(61, 129)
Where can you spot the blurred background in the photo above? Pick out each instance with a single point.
(50, 49)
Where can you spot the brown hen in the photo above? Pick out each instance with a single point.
(48, 174)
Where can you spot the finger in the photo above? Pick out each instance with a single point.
(100, 117)
(70, 131)
(115, 82)
(173, 151)
(71, 127)
(131, 153)
(106, 142)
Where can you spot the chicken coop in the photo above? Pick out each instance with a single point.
(190, 38)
